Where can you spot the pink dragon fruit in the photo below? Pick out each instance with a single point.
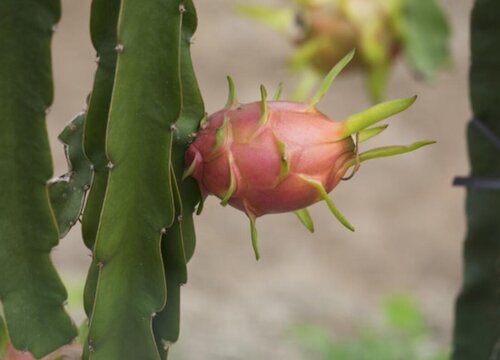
(280, 156)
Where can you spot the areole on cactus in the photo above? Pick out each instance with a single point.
(281, 156)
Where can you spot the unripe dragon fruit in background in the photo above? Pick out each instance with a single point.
(322, 31)
(280, 156)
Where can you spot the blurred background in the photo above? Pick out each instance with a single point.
(409, 219)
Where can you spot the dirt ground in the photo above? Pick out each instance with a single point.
(409, 219)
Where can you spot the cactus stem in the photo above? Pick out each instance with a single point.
(305, 219)
(323, 194)
(253, 232)
(328, 80)
(119, 48)
(357, 122)
(232, 100)
(232, 183)
(264, 114)
(367, 134)
(279, 90)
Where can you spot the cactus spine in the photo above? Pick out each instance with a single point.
(477, 323)
(31, 292)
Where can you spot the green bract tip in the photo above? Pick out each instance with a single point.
(357, 122)
(232, 101)
(328, 80)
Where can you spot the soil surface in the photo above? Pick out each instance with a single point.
(409, 219)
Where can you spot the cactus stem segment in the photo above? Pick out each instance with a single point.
(253, 232)
(385, 151)
(232, 183)
(279, 90)
(367, 134)
(305, 219)
(366, 118)
(322, 192)
(284, 162)
(232, 101)
(264, 113)
(327, 82)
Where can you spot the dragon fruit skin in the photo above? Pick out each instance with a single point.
(273, 163)
(280, 156)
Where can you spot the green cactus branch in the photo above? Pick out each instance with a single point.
(179, 242)
(67, 193)
(103, 23)
(139, 201)
(477, 322)
(31, 292)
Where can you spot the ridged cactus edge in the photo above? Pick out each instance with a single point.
(131, 285)
(103, 30)
(31, 291)
(178, 242)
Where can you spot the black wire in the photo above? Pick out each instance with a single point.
(481, 182)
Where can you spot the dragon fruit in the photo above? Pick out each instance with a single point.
(281, 156)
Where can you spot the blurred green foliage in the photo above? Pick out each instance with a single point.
(403, 335)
